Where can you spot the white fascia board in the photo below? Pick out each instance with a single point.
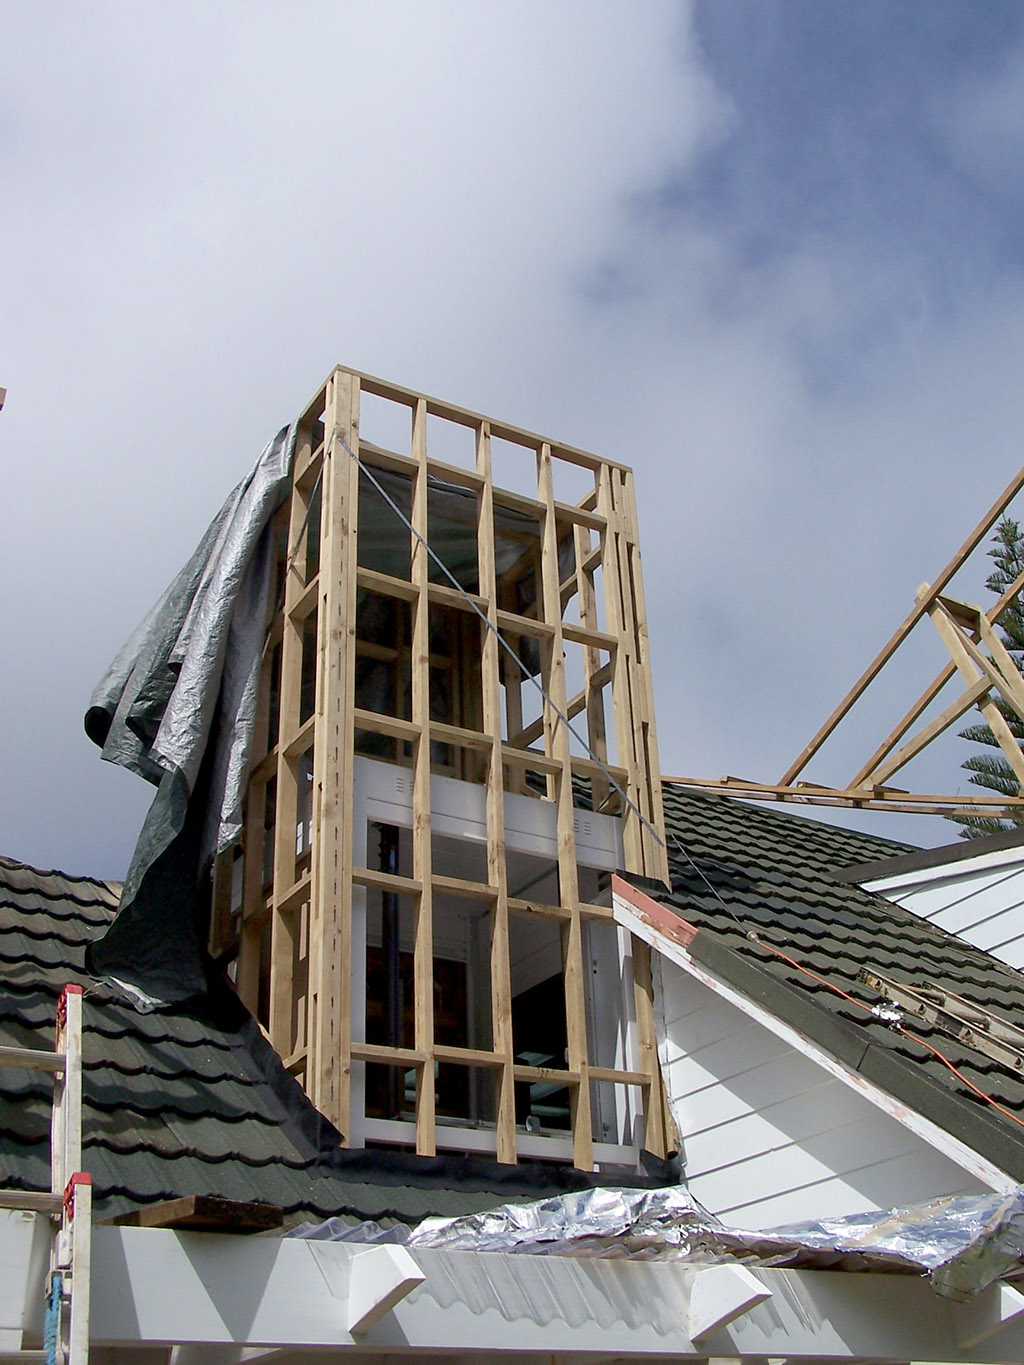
(158, 1287)
(951, 1147)
(962, 867)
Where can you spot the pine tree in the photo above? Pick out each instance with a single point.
(992, 770)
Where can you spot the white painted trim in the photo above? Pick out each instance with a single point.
(945, 1143)
(983, 862)
(720, 1295)
(158, 1287)
(452, 1137)
(378, 1279)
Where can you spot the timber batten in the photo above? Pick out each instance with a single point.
(430, 631)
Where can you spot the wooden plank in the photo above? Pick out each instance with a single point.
(880, 775)
(391, 1056)
(649, 776)
(529, 759)
(619, 624)
(621, 592)
(1012, 685)
(512, 623)
(32, 1059)
(423, 946)
(931, 692)
(202, 1213)
(31, 1201)
(903, 630)
(494, 804)
(988, 668)
(972, 665)
(457, 886)
(330, 1027)
(302, 741)
(517, 906)
(386, 584)
(440, 594)
(531, 733)
(222, 937)
(436, 407)
(387, 881)
(380, 724)
(556, 744)
(618, 1077)
(579, 516)
(551, 1074)
(469, 1056)
(595, 674)
(247, 970)
(304, 604)
(587, 767)
(296, 894)
(595, 639)
(647, 1047)
(465, 739)
(874, 799)
(283, 928)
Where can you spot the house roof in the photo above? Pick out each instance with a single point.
(739, 868)
(193, 1100)
(247, 1131)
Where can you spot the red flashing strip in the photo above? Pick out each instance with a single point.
(79, 1178)
(662, 920)
(62, 1004)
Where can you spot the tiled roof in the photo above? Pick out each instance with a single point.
(192, 1100)
(756, 868)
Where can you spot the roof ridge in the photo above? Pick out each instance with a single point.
(772, 811)
(17, 865)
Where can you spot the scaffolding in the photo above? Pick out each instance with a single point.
(482, 652)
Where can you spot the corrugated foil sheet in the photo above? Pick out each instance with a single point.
(962, 1243)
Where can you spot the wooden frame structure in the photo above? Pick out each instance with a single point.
(554, 583)
(967, 632)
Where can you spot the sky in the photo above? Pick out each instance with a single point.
(769, 254)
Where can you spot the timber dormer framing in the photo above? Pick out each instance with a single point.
(375, 657)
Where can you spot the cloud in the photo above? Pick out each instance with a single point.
(216, 206)
(762, 255)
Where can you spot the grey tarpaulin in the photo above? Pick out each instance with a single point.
(961, 1242)
(177, 706)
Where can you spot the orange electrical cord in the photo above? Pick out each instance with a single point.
(837, 990)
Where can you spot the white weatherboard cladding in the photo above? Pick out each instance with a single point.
(980, 899)
(769, 1136)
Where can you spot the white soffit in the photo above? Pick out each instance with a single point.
(161, 1287)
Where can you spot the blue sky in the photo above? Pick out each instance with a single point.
(769, 254)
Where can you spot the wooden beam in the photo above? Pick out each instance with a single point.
(330, 1030)
(202, 1213)
(903, 630)
(423, 944)
(556, 744)
(973, 665)
(283, 928)
(494, 802)
(878, 776)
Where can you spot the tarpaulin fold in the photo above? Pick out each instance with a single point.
(177, 706)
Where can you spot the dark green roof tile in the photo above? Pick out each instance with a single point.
(738, 867)
(192, 1100)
